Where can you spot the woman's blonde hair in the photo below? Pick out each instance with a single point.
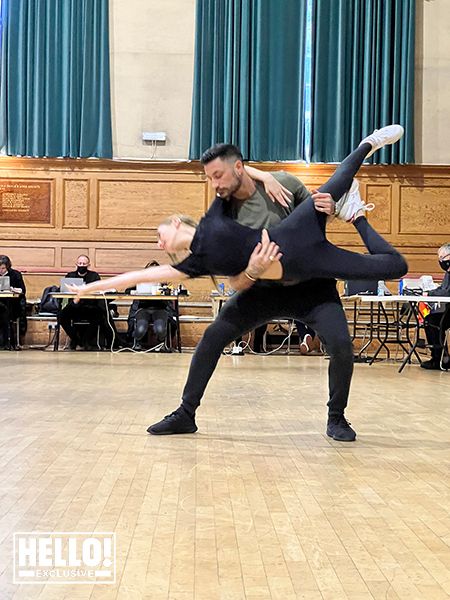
(175, 258)
(183, 218)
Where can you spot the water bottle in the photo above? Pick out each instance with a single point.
(380, 288)
(400, 287)
(221, 287)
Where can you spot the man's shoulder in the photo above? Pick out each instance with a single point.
(92, 275)
(286, 178)
(291, 182)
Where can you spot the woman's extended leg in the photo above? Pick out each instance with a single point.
(384, 262)
(341, 180)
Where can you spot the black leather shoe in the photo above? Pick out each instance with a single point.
(339, 429)
(177, 422)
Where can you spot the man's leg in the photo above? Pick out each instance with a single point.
(240, 314)
(328, 320)
(315, 303)
(69, 314)
(431, 326)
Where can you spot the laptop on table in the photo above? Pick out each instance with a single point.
(5, 283)
(65, 281)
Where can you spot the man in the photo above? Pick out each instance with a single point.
(439, 320)
(316, 303)
(93, 311)
(11, 308)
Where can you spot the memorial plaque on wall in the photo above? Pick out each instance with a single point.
(25, 201)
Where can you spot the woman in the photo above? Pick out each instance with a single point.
(221, 246)
(144, 312)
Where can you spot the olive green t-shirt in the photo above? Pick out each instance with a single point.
(259, 211)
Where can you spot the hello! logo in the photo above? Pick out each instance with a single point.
(64, 557)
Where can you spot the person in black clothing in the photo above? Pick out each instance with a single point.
(223, 246)
(439, 320)
(93, 311)
(144, 312)
(11, 308)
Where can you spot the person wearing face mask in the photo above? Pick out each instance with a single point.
(11, 308)
(92, 311)
(439, 320)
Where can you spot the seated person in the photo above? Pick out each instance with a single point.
(93, 311)
(144, 312)
(439, 319)
(12, 308)
(308, 340)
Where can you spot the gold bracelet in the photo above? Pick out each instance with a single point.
(250, 277)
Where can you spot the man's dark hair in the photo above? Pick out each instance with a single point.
(223, 151)
(4, 260)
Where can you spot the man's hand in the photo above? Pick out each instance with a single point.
(264, 254)
(323, 202)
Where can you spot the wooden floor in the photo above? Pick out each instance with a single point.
(259, 504)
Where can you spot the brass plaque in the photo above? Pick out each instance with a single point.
(25, 201)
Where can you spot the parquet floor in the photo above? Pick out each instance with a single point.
(259, 504)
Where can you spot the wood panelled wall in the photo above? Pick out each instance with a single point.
(110, 210)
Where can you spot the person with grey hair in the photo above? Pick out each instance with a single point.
(438, 320)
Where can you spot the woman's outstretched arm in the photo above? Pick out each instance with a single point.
(130, 279)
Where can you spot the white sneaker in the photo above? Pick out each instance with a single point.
(306, 345)
(382, 137)
(351, 203)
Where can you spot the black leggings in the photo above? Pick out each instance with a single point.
(306, 251)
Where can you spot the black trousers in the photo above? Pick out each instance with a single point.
(316, 303)
(4, 325)
(94, 314)
(145, 316)
(435, 325)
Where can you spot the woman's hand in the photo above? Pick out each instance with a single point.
(276, 191)
(79, 290)
(262, 257)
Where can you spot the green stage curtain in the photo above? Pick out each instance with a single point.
(55, 87)
(249, 77)
(363, 76)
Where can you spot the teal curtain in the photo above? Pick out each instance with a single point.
(55, 82)
(363, 76)
(249, 77)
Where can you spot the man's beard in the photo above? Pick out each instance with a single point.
(228, 192)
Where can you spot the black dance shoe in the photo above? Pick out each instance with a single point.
(177, 422)
(339, 429)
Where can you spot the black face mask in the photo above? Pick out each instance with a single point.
(445, 264)
(82, 270)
